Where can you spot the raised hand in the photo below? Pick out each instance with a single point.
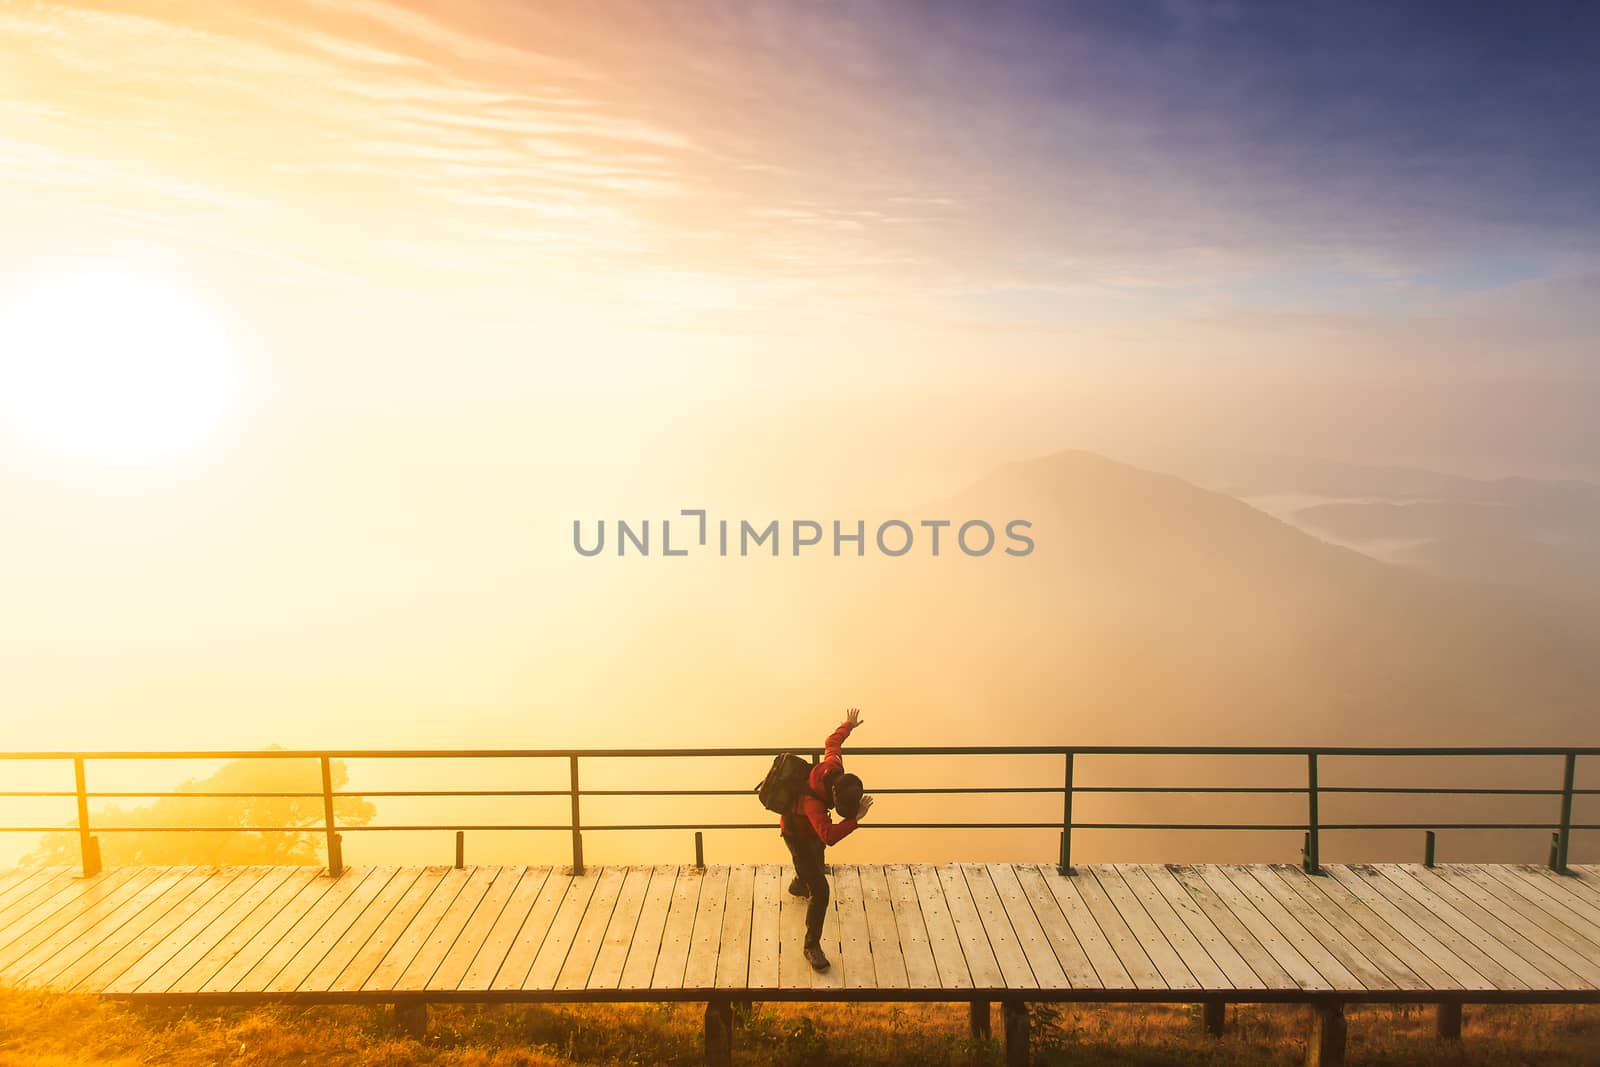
(865, 806)
(853, 717)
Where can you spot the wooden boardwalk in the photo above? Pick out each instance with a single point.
(1379, 932)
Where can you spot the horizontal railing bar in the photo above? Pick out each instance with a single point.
(566, 827)
(674, 753)
(909, 791)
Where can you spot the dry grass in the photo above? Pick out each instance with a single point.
(52, 1030)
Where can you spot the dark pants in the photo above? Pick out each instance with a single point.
(807, 855)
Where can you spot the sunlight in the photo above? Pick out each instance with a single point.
(110, 366)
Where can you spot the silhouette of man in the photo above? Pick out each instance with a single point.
(808, 829)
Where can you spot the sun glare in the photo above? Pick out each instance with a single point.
(113, 366)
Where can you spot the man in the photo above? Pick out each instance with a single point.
(808, 830)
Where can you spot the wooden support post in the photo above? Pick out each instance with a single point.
(1325, 1041)
(1065, 859)
(1447, 1022)
(978, 1020)
(1564, 835)
(1216, 1017)
(335, 853)
(461, 849)
(1014, 1013)
(577, 823)
(88, 847)
(719, 1033)
(411, 1018)
(699, 849)
(1312, 861)
(1428, 849)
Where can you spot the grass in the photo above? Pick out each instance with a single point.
(55, 1030)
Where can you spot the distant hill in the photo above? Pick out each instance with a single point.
(1150, 611)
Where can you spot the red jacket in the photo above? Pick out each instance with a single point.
(810, 816)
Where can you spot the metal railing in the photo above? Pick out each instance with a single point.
(1313, 827)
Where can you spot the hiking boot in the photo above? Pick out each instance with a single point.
(815, 957)
(797, 888)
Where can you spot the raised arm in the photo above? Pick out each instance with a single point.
(833, 747)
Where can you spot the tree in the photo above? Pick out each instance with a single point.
(240, 846)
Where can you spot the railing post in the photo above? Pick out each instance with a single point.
(577, 824)
(335, 852)
(1564, 836)
(1313, 860)
(1428, 849)
(699, 849)
(461, 849)
(1066, 818)
(88, 847)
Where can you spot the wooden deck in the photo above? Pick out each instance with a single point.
(1381, 932)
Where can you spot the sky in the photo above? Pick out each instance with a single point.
(451, 274)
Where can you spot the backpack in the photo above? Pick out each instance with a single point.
(785, 781)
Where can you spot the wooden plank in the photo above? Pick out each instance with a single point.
(888, 960)
(272, 934)
(182, 936)
(679, 929)
(1206, 883)
(162, 979)
(1136, 964)
(1546, 926)
(1096, 946)
(1229, 957)
(1581, 920)
(11, 877)
(793, 970)
(1512, 965)
(832, 946)
(764, 933)
(44, 898)
(1025, 925)
(135, 937)
(1571, 888)
(1174, 974)
(308, 942)
(613, 954)
(981, 961)
(916, 949)
(855, 939)
(563, 931)
(1304, 941)
(1476, 970)
(1344, 938)
(519, 958)
(1388, 949)
(1190, 949)
(640, 965)
(402, 945)
(1074, 962)
(733, 950)
(705, 941)
(1505, 926)
(592, 927)
(39, 883)
(419, 971)
(475, 934)
(250, 924)
(1003, 940)
(944, 940)
(358, 952)
(101, 936)
(504, 935)
(61, 929)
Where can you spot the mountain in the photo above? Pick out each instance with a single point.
(1150, 611)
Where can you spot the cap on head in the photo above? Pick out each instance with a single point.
(847, 790)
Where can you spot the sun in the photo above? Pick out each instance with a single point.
(113, 366)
